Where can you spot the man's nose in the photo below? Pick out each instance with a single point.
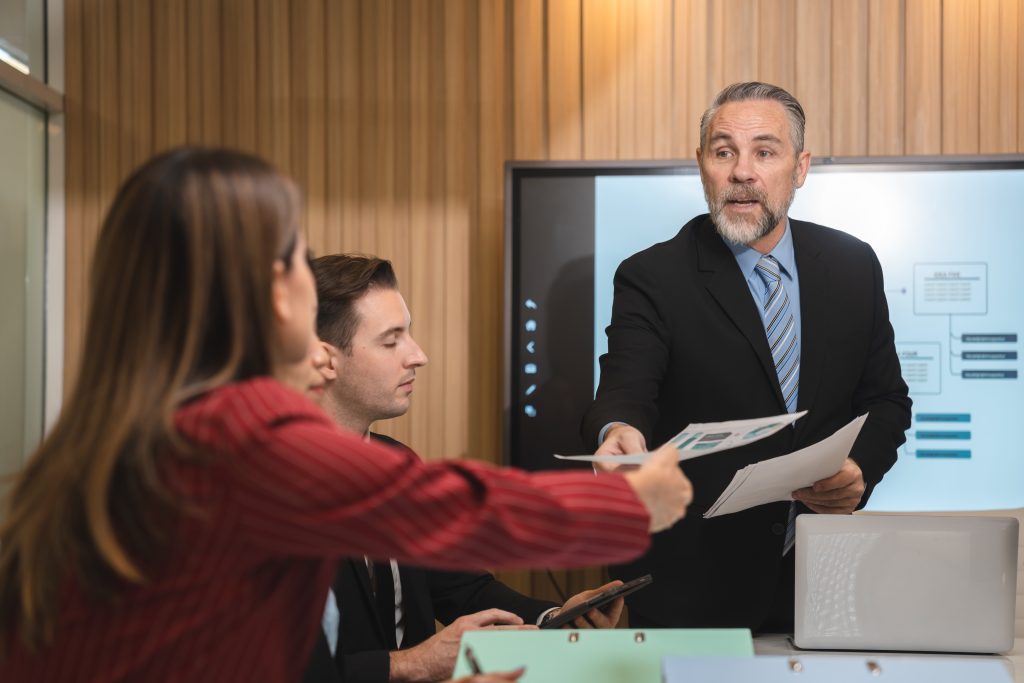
(417, 358)
(743, 170)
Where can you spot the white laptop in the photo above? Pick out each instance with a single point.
(920, 583)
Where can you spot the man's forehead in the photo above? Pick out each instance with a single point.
(382, 310)
(751, 117)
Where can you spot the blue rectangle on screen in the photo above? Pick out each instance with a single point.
(937, 453)
(943, 417)
(959, 436)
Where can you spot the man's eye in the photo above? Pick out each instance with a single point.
(722, 153)
(765, 153)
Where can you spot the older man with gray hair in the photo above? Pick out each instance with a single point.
(747, 313)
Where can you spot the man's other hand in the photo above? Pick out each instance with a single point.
(434, 658)
(839, 494)
(605, 617)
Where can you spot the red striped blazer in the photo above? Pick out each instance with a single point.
(240, 592)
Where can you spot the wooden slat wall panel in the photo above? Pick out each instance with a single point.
(922, 123)
(997, 126)
(600, 101)
(529, 126)
(657, 24)
(960, 66)
(776, 59)
(737, 35)
(885, 77)
(692, 72)
(395, 118)
(814, 72)
(849, 77)
(564, 98)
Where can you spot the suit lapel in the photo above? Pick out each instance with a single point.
(814, 288)
(725, 283)
(366, 591)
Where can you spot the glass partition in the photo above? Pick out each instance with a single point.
(22, 243)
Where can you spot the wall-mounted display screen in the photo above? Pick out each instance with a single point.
(950, 237)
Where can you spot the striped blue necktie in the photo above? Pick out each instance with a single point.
(780, 326)
(784, 343)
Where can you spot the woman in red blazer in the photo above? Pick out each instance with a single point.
(183, 518)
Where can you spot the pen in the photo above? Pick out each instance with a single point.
(474, 665)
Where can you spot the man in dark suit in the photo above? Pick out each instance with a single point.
(379, 617)
(746, 313)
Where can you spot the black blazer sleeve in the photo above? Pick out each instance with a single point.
(455, 594)
(637, 359)
(372, 666)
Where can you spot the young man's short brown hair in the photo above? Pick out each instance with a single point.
(341, 280)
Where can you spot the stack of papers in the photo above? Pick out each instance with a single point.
(774, 480)
(768, 481)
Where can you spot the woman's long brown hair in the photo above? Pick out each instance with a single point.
(180, 303)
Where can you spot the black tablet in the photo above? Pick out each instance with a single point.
(567, 616)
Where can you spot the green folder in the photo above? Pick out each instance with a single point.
(596, 656)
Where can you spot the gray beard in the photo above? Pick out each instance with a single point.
(744, 232)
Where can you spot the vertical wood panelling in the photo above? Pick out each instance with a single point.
(135, 80)
(691, 48)
(814, 72)
(564, 96)
(885, 80)
(997, 83)
(922, 123)
(307, 98)
(776, 59)
(395, 118)
(1020, 76)
(658, 20)
(623, 79)
(849, 77)
(494, 125)
(960, 96)
(600, 101)
(419, 280)
(529, 128)
(738, 35)
(170, 121)
(460, 79)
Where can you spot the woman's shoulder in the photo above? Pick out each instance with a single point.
(242, 409)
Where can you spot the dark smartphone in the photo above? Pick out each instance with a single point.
(599, 600)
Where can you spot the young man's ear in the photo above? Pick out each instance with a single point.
(330, 371)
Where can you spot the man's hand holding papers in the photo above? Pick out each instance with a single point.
(840, 494)
(778, 479)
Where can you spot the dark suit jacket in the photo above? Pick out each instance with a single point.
(426, 595)
(686, 344)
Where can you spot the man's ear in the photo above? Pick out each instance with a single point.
(330, 371)
(279, 292)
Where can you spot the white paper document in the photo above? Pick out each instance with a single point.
(708, 437)
(775, 480)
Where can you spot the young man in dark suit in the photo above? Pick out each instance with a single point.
(379, 619)
(747, 313)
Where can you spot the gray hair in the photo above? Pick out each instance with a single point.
(755, 90)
